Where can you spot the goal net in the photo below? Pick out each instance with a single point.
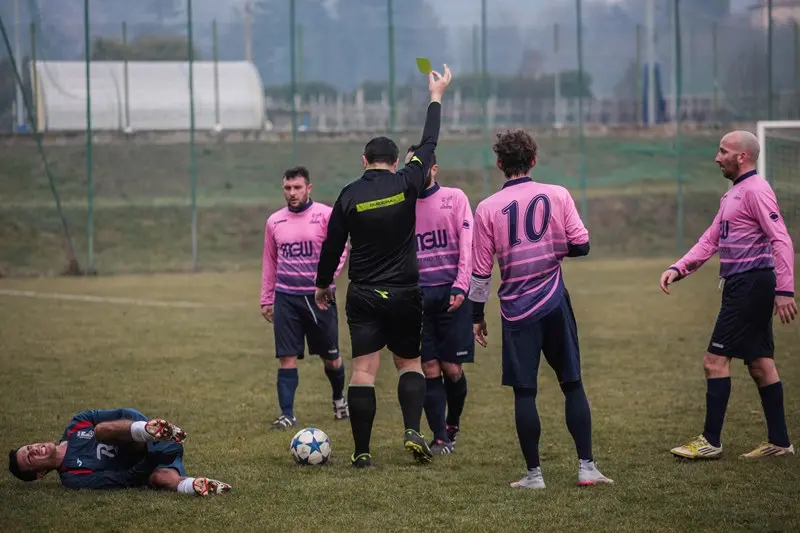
(779, 163)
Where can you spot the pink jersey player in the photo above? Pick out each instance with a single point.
(444, 238)
(292, 242)
(749, 234)
(757, 265)
(530, 227)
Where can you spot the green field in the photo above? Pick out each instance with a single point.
(142, 191)
(210, 369)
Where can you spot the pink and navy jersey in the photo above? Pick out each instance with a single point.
(444, 238)
(292, 243)
(530, 227)
(89, 464)
(749, 234)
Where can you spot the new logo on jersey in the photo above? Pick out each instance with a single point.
(431, 239)
(447, 203)
(316, 218)
(297, 249)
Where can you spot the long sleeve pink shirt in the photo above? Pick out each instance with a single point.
(530, 227)
(444, 238)
(749, 234)
(292, 243)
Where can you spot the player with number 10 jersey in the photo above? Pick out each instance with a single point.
(531, 227)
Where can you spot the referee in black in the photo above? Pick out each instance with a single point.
(384, 303)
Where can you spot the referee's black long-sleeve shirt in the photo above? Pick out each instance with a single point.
(378, 212)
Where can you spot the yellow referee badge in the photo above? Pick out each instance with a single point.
(424, 65)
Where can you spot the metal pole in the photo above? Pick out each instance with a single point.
(89, 179)
(392, 96)
(678, 136)
(125, 76)
(674, 106)
(581, 135)
(557, 80)
(715, 70)
(73, 267)
(34, 117)
(18, 55)
(293, 70)
(300, 58)
(485, 98)
(248, 31)
(215, 45)
(476, 52)
(650, 14)
(639, 85)
(192, 158)
(796, 27)
(769, 59)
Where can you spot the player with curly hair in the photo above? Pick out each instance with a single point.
(531, 227)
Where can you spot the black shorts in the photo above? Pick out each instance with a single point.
(744, 324)
(446, 336)
(555, 334)
(297, 319)
(384, 316)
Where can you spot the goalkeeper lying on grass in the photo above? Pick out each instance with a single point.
(115, 448)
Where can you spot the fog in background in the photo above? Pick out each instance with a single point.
(344, 42)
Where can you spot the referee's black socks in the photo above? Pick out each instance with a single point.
(411, 394)
(361, 399)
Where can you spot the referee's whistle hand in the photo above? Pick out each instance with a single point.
(786, 308)
(323, 298)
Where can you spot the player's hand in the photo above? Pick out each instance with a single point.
(668, 278)
(323, 297)
(161, 430)
(786, 308)
(437, 83)
(268, 311)
(480, 332)
(455, 302)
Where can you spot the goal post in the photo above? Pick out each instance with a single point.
(775, 136)
(779, 163)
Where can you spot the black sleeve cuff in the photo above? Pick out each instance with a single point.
(456, 291)
(477, 312)
(784, 293)
(577, 250)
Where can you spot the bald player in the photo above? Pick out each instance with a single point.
(756, 267)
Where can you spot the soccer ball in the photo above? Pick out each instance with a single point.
(310, 446)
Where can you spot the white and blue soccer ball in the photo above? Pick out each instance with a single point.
(310, 446)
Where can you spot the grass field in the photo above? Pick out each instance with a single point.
(210, 369)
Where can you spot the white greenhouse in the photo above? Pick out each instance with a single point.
(156, 97)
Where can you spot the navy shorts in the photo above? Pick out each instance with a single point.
(555, 334)
(744, 324)
(384, 316)
(298, 319)
(173, 455)
(446, 336)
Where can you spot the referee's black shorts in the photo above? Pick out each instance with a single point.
(384, 317)
(744, 324)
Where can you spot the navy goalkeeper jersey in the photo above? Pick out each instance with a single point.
(96, 465)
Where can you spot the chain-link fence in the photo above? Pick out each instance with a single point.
(166, 174)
